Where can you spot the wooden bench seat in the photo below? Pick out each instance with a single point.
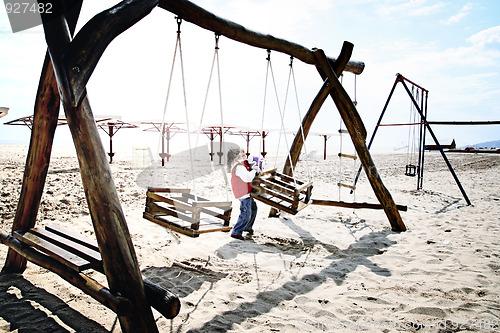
(58, 249)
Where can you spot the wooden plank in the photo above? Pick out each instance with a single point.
(263, 183)
(94, 257)
(271, 192)
(170, 225)
(289, 179)
(90, 243)
(212, 203)
(222, 228)
(69, 259)
(354, 157)
(267, 172)
(352, 187)
(155, 208)
(204, 227)
(168, 190)
(226, 215)
(176, 203)
(275, 204)
(280, 182)
(356, 205)
(193, 197)
(304, 187)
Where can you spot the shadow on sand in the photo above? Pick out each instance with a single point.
(28, 308)
(344, 262)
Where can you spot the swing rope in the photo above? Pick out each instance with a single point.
(411, 150)
(282, 117)
(292, 74)
(215, 63)
(178, 47)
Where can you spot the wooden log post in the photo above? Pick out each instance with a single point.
(45, 118)
(115, 245)
(37, 162)
(357, 132)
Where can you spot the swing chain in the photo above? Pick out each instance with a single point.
(268, 55)
(291, 61)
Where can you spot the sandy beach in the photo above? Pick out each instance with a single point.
(324, 269)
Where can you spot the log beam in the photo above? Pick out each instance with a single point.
(355, 205)
(192, 13)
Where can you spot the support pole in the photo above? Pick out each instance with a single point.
(264, 152)
(111, 154)
(221, 151)
(325, 139)
(37, 162)
(168, 145)
(248, 143)
(211, 137)
(162, 155)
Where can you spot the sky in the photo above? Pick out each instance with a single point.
(450, 48)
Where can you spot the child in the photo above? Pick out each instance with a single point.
(242, 176)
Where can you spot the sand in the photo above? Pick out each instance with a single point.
(324, 269)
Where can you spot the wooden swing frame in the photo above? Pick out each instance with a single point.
(68, 66)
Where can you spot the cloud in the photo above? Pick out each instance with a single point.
(412, 8)
(488, 36)
(458, 17)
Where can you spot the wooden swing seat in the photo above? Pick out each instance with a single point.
(188, 214)
(281, 191)
(69, 255)
(411, 170)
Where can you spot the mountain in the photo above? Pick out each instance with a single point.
(488, 144)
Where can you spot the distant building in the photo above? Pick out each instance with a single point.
(453, 145)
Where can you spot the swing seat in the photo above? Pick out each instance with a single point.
(411, 170)
(281, 191)
(187, 214)
(76, 258)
